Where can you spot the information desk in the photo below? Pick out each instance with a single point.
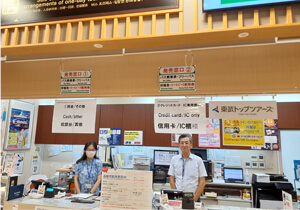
(26, 203)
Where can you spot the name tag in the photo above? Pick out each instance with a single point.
(88, 186)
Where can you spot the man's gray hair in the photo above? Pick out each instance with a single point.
(184, 136)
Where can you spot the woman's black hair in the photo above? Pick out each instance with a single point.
(83, 157)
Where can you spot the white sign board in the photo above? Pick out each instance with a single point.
(177, 78)
(74, 116)
(180, 116)
(126, 189)
(77, 82)
(243, 110)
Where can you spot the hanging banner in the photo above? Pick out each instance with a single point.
(77, 82)
(243, 110)
(212, 136)
(74, 116)
(238, 132)
(177, 78)
(133, 137)
(271, 136)
(180, 116)
(109, 136)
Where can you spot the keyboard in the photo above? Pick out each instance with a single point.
(234, 181)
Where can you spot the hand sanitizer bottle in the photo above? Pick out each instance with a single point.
(247, 176)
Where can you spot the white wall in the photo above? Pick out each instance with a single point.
(290, 147)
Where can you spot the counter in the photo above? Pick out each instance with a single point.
(26, 203)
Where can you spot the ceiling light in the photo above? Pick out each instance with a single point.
(243, 35)
(287, 40)
(98, 45)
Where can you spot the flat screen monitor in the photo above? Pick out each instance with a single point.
(163, 157)
(202, 153)
(210, 5)
(233, 174)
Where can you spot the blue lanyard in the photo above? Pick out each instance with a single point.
(91, 168)
(183, 166)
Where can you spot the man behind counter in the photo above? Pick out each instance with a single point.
(187, 171)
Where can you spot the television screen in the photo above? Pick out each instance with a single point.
(210, 5)
(200, 152)
(163, 157)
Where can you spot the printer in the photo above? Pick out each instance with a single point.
(141, 163)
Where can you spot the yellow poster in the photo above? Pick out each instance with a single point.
(243, 132)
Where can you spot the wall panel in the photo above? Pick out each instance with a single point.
(140, 117)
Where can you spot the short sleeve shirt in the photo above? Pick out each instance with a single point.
(88, 173)
(187, 172)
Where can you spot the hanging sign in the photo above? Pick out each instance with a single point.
(177, 78)
(74, 116)
(26, 11)
(180, 116)
(238, 132)
(243, 110)
(75, 82)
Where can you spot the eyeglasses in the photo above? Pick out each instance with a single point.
(184, 143)
(91, 150)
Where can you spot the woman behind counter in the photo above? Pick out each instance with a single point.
(88, 170)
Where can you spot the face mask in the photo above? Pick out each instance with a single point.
(90, 154)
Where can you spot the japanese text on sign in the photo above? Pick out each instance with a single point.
(180, 116)
(243, 132)
(75, 82)
(74, 116)
(243, 110)
(177, 78)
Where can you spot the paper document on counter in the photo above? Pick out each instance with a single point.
(82, 195)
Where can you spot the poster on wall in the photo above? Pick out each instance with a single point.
(271, 136)
(109, 136)
(19, 130)
(297, 169)
(237, 132)
(19, 165)
(74, 116)
(180, 116)
(35, 164)
(9, 166)
(212, 136)
(133, 137)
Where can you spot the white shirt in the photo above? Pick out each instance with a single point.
(187, 172)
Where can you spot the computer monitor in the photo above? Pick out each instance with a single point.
(163, 157)
(202, 153)
(233, 175)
